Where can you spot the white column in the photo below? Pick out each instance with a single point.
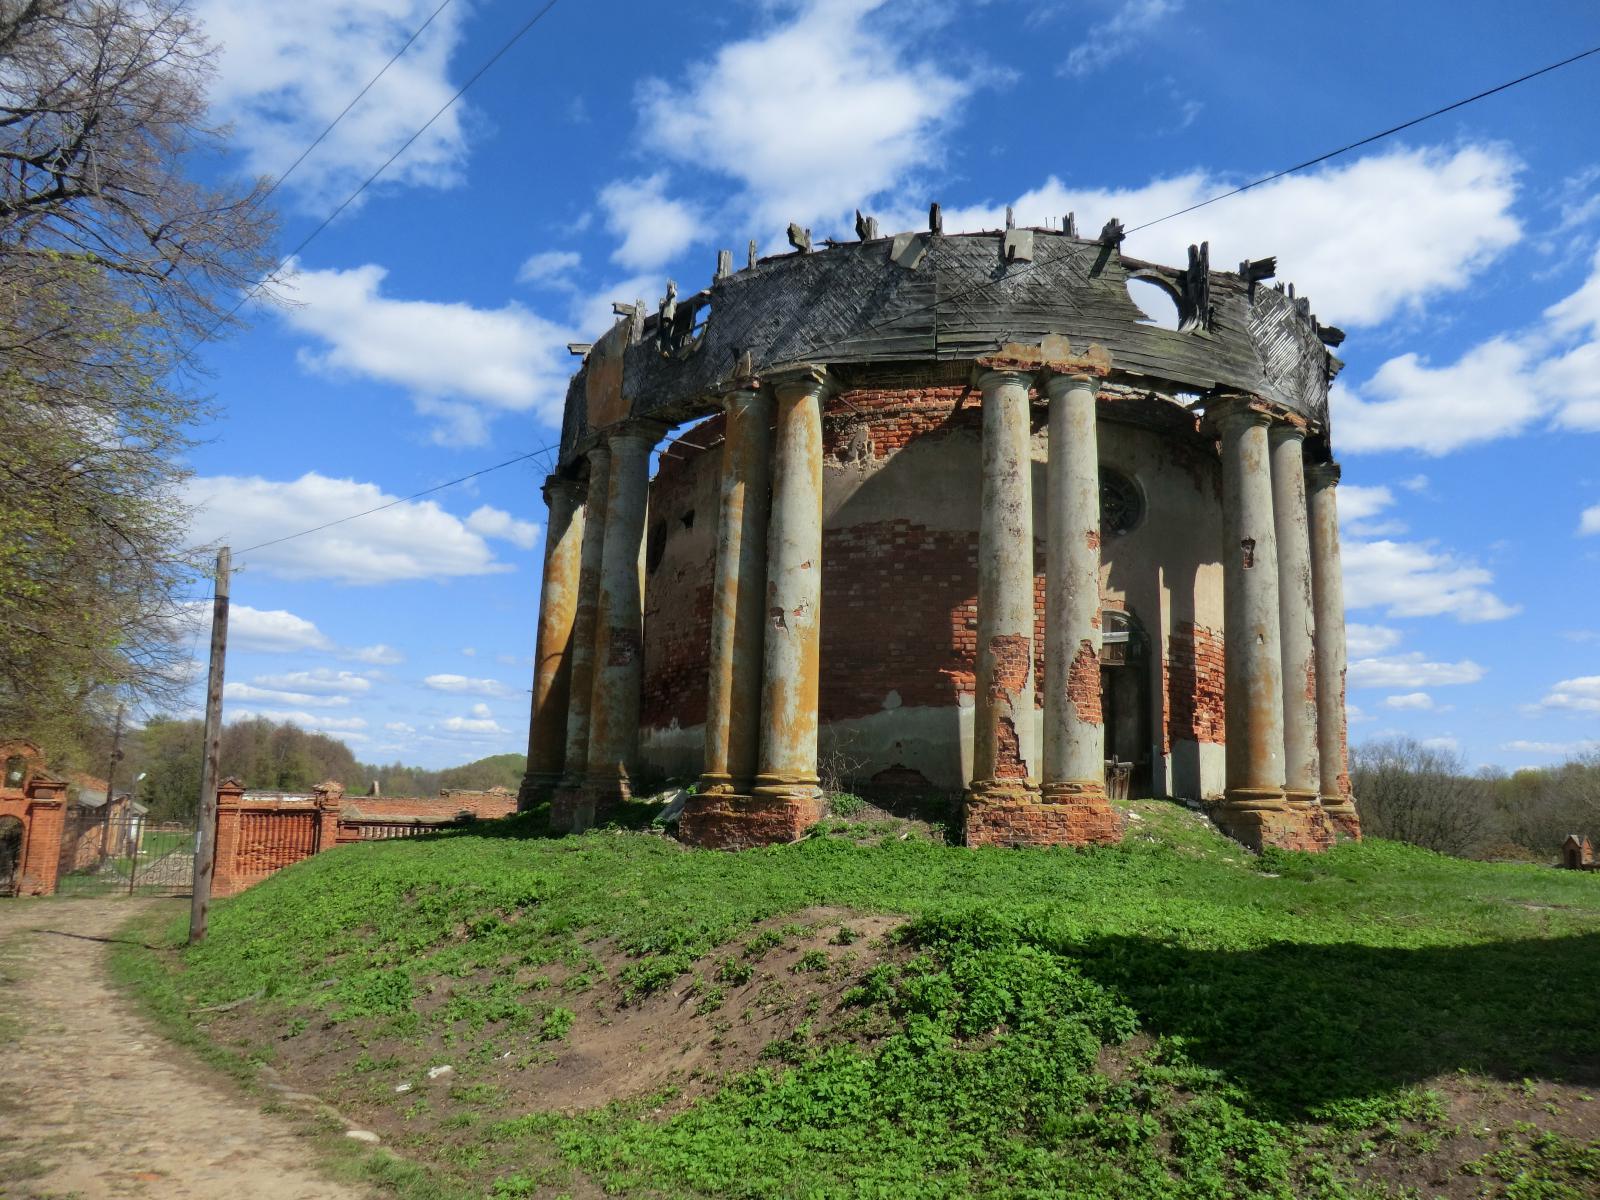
(1295, 618)
(1327, 586)
(1252, 647)
(738, 614)
(1074, 729)
(792, 649)
(1003, 708)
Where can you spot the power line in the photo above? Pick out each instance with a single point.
(1366, 141)
(483, 68)
(304, 154)
(1310, 162)
(439, 487)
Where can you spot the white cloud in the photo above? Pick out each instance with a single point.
(1365, 641)
(315, 722)
(1364, 240)
(322, 680)
(1415, 700)
(549, 267)
(1561, 749)
(1414, 579)
(1357, 502)
(1488, 393)
(1589, 522)
(1416, 483)
(480, 722)
(1110, 39)
(410, 540)
(1410, 670)
(1446, 743)
(460, 363)
(461, 685)
(271, 631)
(398, 727)
(497, 523)
(378, 656)
(654, 228)
(287, 69)
(1580, 694)
(249, 691)
(811, 116)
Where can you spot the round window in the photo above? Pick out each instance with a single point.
(1121, 502)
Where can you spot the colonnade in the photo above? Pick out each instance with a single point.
(1283, 623)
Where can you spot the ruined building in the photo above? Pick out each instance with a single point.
(966, 518)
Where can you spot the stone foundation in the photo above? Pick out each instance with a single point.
(1346, 823)
(1296, 827)
(1085, 822)
(723, 821)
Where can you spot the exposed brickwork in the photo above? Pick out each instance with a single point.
(1086, 822)
(875, 422)
(677, 612)
(723, 822)
(1083, 684)
(1195, 690)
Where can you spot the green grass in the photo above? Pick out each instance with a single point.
(1168, 1018)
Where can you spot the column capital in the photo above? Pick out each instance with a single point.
(1238, 410)
(806, 379)
(985, 376)
(744, 396)
(560, 486)
(1059, 383)
(1284, 429)
(1322, 475)
(630, 436)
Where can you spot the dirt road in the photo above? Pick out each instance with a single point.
(94, 1103)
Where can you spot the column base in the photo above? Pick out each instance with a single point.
(716, 783)
(1014, 813)
(770, 816)
(1299, 797)
(536, 788)
(1342, 816)
(1258, 818)
(571, 811)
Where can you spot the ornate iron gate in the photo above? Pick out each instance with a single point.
(125, 853)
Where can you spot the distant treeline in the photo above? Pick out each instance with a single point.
(267, 755)
(1425, 795)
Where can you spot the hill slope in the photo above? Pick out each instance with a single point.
(871, 1012)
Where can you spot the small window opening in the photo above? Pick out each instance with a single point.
(687, 519)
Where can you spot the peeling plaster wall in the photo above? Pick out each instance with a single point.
(900, 515)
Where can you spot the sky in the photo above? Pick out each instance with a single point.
(422, 335)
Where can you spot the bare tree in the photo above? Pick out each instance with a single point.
(115, 258)
(1419, 794)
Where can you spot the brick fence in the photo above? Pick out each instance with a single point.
(258, 834)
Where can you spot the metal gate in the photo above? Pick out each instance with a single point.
(125, 853)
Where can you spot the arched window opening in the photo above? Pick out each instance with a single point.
(1156, 300)
(16, 771)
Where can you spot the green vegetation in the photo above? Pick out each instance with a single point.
(1168, 1018)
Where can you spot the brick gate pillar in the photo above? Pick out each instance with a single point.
(552, 658)
(619, 625)
(1287, 445)
(1327, 586)
(226, 878)
(1002, 770)
(786, 793)
(40, 868)
(1252, 644)
(738, 612)
(568, 800)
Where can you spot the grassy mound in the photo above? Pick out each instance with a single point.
(1172, 1017)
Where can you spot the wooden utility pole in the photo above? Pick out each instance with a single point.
(206, 843)
(111, 789)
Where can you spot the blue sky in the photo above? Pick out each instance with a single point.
(422, 336)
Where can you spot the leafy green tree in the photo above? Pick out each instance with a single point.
(115, 258)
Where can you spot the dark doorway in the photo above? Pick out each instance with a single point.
(1125, 699)
(11, 831)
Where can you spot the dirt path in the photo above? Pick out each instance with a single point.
(94, 1103)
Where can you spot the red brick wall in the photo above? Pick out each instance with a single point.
(1194, 685)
